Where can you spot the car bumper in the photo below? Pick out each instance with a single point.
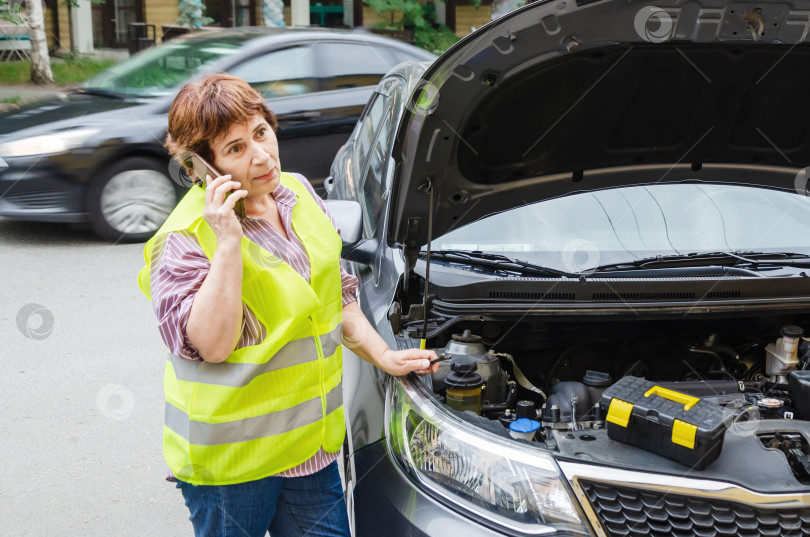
(35, 192)
(387, 503)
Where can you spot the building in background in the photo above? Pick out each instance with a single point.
(68, 26)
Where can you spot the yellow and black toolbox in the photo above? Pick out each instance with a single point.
(669, 423)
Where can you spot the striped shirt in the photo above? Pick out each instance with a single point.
(179, 267)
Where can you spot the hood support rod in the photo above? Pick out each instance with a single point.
(427, 187)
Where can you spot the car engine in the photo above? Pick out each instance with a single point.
(550, 378)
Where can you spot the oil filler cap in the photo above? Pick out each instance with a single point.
(463, 377)
(597, 379)
(791, 331)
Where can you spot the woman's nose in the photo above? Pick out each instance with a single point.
(260, 155)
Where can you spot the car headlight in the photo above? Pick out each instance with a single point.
(46, 144)
(518, 487)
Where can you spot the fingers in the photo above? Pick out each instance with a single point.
(431, 369)
(216, 189)
(406, 361)
(222, 190)
(236, 195)
(210, 186)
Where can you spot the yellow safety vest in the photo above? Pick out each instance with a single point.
(268, 407)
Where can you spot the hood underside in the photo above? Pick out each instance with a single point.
(557, 98)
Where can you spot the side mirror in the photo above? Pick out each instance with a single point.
(329, 184)
(348, 216)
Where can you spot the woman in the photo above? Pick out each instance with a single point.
(253, 312)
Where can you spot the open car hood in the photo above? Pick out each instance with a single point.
(561, 97)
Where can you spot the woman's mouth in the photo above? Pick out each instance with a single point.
(266, 177)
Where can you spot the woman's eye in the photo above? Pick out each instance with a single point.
(234, 149)
(260, 133)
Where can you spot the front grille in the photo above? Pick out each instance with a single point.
(531, 295)
(629, 512)
(621, 296)
(50, 199)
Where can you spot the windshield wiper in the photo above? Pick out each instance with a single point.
(100, 92)
(751, 259)
(497, 261)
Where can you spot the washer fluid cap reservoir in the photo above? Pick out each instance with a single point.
(523, 428)
(524, 425)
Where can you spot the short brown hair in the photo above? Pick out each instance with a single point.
(206, 109)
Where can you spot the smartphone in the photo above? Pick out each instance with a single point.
(199, 168)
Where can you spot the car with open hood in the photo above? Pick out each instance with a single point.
(94, 154)
(597, 214)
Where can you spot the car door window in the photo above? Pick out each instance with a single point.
(373, 183)
(367, 131)
(280, 73)
(352, 65)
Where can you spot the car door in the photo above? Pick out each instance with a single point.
(369, 178)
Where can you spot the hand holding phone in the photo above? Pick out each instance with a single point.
(199, 168)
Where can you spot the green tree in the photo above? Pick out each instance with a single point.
(411, 15)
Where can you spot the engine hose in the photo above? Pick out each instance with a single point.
(520, 377)
(718, 361)
(735, 357)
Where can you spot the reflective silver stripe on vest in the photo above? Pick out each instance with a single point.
(236, 375)
(282, 421)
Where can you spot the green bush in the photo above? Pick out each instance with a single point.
(427, 33)
(67, 71)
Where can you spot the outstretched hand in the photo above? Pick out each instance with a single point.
(399, 363)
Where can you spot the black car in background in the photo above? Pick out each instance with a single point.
(95, 154)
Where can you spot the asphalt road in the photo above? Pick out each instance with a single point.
(81, 390)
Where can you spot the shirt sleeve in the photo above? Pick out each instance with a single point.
(179, 267)
(348, 282)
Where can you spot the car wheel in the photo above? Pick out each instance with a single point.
(131, 200)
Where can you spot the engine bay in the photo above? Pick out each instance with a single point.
(544, 382)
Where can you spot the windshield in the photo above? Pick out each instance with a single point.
(159, 70)
(583, 231)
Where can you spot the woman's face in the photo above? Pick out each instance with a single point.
(249, 153)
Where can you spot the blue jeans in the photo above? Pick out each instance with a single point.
(310, 506)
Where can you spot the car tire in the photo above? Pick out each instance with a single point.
(130, 200)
